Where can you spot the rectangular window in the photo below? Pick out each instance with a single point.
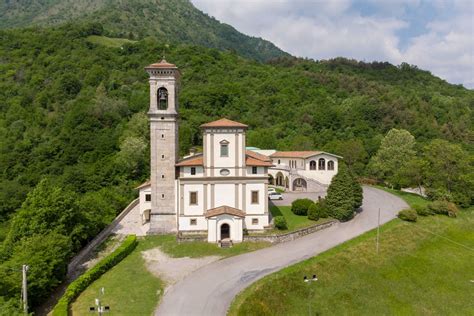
(193, 171)
(254, 197)
(254, 221)
(148, 197)
(193, 198)
(254, 170)
(224, 150)
(193, 222)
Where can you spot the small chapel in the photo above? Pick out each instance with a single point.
(219, 192)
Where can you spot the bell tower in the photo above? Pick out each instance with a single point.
(164, 145)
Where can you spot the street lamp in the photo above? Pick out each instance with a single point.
(309, 281)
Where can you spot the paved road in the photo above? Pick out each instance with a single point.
(210, 290)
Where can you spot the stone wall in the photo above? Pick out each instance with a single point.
(278, 238)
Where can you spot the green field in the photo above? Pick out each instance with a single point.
(423, 268)
(294, 221)
(131, 290)
(108, 41)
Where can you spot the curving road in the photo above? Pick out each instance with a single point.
(211, 289)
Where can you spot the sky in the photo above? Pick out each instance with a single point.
(435, 35)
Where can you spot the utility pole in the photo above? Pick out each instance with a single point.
(378, 231)
(24, 289)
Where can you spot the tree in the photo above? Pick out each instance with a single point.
(342, 198)
(352, 151)
(395, 151)
(449, 169)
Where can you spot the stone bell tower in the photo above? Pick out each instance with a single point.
(164, 145)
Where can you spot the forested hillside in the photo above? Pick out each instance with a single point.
(74, 133)
(169, 21)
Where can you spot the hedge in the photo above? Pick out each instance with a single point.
(82, 282)
(408, 215)
(280, 223)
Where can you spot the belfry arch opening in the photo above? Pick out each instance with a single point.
(162, 99)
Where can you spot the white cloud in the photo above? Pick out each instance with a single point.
(327, 29)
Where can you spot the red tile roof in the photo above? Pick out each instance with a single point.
(224, 210)
(255, 159)
(295, 154)
(223, 122)
(162, 64)
(144, 184)
(196, 160)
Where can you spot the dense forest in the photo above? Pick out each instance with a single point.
(74, 131)
(170, 21)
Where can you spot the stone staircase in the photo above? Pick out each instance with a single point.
(226, 243)
(312, 185)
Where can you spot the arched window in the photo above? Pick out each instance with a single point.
(312, 165)
(162, 98)
(321, 164)
(330, 165)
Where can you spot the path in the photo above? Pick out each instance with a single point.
(210, 290)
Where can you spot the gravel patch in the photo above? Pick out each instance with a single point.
(172, 270)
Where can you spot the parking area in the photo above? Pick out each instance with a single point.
(289, 197)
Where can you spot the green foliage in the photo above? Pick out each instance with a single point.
(280, 222)
(172, 21)
(444, 208)
(408, 215)
(344, 195)
(396, 149)
(449, 172)
(422, 210)
(9, 307)
(318, 210)
(47, 255)
(301, 206)
(82, 282)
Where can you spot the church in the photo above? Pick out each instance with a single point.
(219, 192)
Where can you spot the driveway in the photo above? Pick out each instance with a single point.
(289, 197)
(211, 289)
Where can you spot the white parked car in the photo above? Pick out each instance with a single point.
(275, 196)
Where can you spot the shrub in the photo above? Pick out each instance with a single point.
(422, 210)
(444, 208)
(408, 215)
(317, 210)
(82, 282)
(280, 223)
(300, 206)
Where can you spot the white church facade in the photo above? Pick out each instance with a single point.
(219, 192)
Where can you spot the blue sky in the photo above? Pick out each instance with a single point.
(434, 35)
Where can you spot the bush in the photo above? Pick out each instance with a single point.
(301, 206)
(280, 223)
(408, 215)
(82, 282)
(318, 210)
(422, 210)
(444, 208)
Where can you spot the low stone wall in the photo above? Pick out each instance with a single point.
(190, 238)
(278, 238)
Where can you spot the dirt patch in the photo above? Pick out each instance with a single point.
(172, 270)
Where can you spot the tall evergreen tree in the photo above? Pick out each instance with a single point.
(341, 198)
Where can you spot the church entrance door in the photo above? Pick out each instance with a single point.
(225, 231)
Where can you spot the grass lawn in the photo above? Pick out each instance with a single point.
(423, 268)
(131, 290)
(108, 41)
(294, 221)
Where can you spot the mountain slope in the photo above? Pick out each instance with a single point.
(170, 21)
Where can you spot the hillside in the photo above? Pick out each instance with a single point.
(74, 134)
(169, 21)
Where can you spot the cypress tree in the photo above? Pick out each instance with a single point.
(340, 198)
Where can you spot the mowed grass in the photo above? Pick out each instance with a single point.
(293, 221)
(131, 290)
(108, 41)
(423, 268)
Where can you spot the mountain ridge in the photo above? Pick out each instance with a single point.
(173, 21)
